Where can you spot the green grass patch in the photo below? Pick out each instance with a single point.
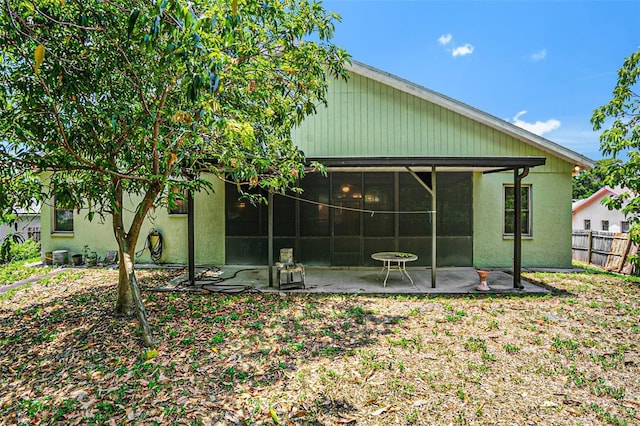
(475, 344)
(17, 271)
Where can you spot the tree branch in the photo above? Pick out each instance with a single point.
(68, 24)
(138, 83)
(156, 128)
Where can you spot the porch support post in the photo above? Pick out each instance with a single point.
(434, 231)
(517, 231)
(432, 191)
(270, 236)
(191, 237)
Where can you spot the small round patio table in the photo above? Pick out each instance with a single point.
(394, 261)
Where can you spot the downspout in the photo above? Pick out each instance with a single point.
(190, 237)
(517, 232)
(270, 236)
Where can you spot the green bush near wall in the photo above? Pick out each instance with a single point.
(15, 252)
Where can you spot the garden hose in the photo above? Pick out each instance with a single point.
(154, 242)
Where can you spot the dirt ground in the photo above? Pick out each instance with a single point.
(569, 357)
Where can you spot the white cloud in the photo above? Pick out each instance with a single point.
(445, 39)
(538, 56)
(539, 127)
(467, 49)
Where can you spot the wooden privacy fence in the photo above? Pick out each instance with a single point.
(608, 250)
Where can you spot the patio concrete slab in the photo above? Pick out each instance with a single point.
(361, 280)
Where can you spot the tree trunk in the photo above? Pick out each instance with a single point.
(129, 297)
(147, 336)
(129, 300)
(125, 305)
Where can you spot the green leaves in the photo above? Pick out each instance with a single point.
(587, 182)
(39, 57)
(135, 13)
(621, 139)
(136, 93)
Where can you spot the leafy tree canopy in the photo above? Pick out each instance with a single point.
(588, 182)
(139, 97)
(620, 139)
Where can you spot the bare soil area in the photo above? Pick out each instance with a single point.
(250, 358)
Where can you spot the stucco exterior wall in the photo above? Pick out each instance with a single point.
(550, 243)
(209, 231)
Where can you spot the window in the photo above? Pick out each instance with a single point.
(62, 219)
(624, 226)
(180, 205)
(587, 224)
(33, 233)
(605, 225)
(509, 209)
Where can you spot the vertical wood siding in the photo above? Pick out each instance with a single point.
(367, 118)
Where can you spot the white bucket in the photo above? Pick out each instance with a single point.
(60, 257)
(286, 255)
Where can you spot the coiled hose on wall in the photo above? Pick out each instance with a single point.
(154, 243)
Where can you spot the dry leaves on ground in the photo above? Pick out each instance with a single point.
(250, 358)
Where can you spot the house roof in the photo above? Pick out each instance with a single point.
(472, 113)
(33, 210)
(595, 197)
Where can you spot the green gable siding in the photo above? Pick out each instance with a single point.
(368, 118)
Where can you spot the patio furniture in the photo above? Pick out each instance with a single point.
(290, 270)
(394, 261)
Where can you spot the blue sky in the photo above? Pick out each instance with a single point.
(543, 65)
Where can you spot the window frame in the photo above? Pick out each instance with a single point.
(527, 229)
(182, 205)
(625, 227)
(604, 224)
(586, 224)
(55, 226)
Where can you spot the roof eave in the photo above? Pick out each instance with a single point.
(483, 164)
(598, 195)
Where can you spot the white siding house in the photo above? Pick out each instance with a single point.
(27, 225)
(590, 214)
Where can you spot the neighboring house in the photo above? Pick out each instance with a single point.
(591, 215)
(387, 143)
(27, 224)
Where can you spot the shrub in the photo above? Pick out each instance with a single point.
(14, 250)
(27, 250)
